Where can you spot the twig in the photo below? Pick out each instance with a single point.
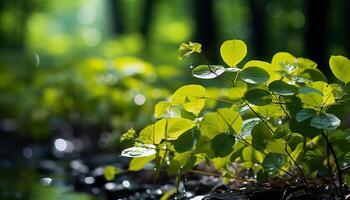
(331, 173)
(299, 168)
(205, 173)
(210, 69)
(340, 173)
(272, 131)
(217, 99)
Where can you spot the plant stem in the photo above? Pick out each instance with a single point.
(285, 149)
(205, 173)
(267, 125)
(340, 172)
(299, 168)
(210, 69)
(332, 182)
(222, 100)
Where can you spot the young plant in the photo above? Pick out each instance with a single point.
(281, 118)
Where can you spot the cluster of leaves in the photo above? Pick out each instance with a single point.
(281, 118)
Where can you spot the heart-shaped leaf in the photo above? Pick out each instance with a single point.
(222, 144)
(258, 97)
(254, 75)
(340, 67)
(325, 121)
(282, 88)
(233, 52)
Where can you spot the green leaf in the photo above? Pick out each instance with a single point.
(224, 120)
(314, 75)
(177, 126)
(191, 97)
(248, 125)
(254, 75)
(305, 114)
(160, 108)
(270, 110)
(273, 161)
(128, 137)
(186, 141)
(249, 154)
(297, 152)
(232, 119)
(139, 151)
(340, 67)
(168, 194)
(222, 144)
(182, 162)
(212, 124)
(154, 133)
(273, 72)
(172, 112)
(307, 90)
(233, 52)
(282, 88)
(281, 131)
(305, 63)
(221, 163)
(232, 69)
(281, 59)
(110, 172)
(325, 121)
(311, 99)
(139, 163)
(258, 97)
(276, 146)
(238, 91)
(208, 71)
(186, 50)
(260, 136)
(317, 94)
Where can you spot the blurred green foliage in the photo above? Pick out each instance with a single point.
(101, 65)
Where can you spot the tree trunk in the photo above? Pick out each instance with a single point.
(316, 32)
(117, 17)
(147, 18)
(205, 28)
(257, 8)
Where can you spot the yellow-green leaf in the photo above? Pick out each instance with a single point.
(233, 52)
(282, 58)
(186, 50)
(160, 108)
(191, 97)
(340, 67)
(110, 172)
(238, 91)
(154, 133)
(178, 126)
(139, 163)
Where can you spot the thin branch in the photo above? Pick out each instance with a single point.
(217, 99)
(205, 173)
(257, 114)
(210, 69)
(331, 173)
(299, 168)
(280, 104)
(340, 173)
(272, 131)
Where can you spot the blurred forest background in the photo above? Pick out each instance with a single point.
(74, 75)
